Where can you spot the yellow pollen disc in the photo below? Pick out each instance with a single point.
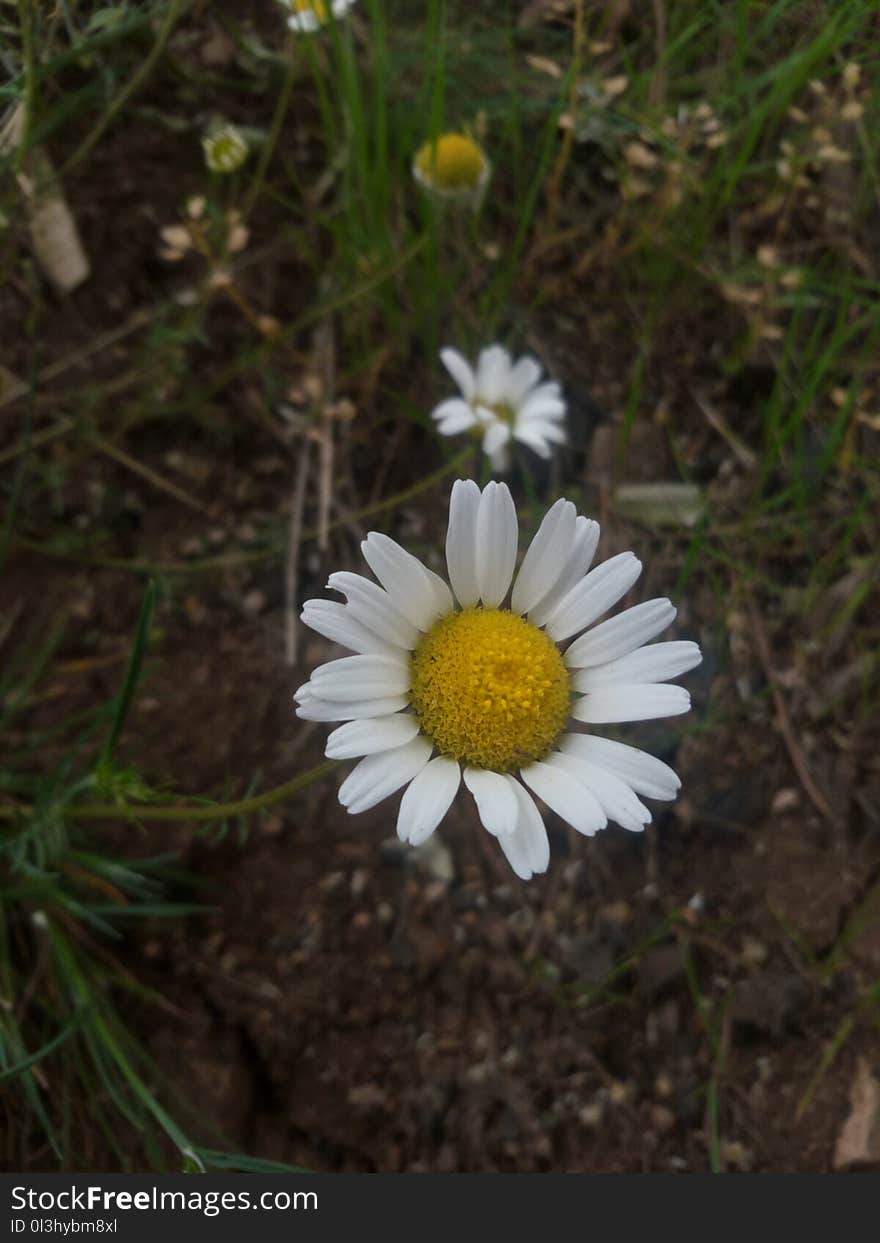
(318, 7)
(454, 162)
(503, 412)
(489, 689)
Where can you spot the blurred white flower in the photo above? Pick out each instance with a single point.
(497, 693)
(225, 149)
(500, 400)
(307, 16)
(452, 166)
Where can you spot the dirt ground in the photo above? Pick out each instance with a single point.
(654, 1003)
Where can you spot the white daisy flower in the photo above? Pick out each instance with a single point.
(451, 685)
(307, 16)
(500, 400)
(453, 166)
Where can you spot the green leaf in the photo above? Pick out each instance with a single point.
(132, 673)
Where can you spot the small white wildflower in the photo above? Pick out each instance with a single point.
(503, 400)
(225, 149)
(307, 16)
(176, 242)
(852, 74)
(452, 166)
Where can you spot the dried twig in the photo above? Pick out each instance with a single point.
(815, 795)
(719, 424)
(27, 443)
(139, 320)
(150, 475)
(54, 235)
(325, 477)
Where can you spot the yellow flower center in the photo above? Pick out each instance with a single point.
(489, 689)
(503, 411)
(318, 7)
(453, 162)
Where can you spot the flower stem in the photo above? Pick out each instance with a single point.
(213, 811)
(271, 142)
(134, 83)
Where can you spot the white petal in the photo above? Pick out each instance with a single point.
(496, 436)
(497, 537)
(461, 541)
(377, 776)
(540, 430)
(537, 444)
(546, 557)
(500, 460)
(373, 608)
(594, 595)
(362, 677)
(365, 737)
(642, 772)
(404, 578)
(460, 370)
(493, 368)
(657, 663)
(443, 601)
(565, 795)
(514, 850)
(547, 409)
(621, 634)
(334, 621)
(526, 849)
(612, 704)
(524, 376)
(614, 796)
(310, 708)
(427, 799)
(305, 23)
(453, 427)
(453, 416)
(550, 410)
(545, 396)
(496, 800)
(580, 558)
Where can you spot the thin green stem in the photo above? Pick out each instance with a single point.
(175, 9)
(177, 812)
(274, 131)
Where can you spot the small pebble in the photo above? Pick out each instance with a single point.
(254, 602)
(662, 1118)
